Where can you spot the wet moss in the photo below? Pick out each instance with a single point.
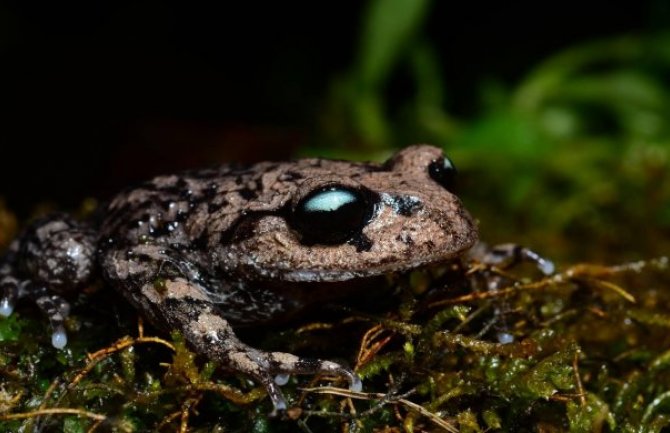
(583, 350)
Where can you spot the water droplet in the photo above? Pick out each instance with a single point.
(505, 338)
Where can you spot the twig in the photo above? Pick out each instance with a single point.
(53, 411)
(124, 342)
(580, 387)
(435, 419)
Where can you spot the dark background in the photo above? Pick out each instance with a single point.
(100, 94)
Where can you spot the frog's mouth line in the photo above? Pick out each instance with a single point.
(388, 268)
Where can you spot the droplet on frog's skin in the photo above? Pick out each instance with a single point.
(282, 379)
(505, 338)
(6, 307)
(59, 338)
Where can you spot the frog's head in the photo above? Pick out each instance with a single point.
(341, 220)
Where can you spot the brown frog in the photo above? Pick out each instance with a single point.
(202, 251)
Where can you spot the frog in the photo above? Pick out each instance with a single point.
(205, 251)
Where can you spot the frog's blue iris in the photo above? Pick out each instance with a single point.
(329, 200)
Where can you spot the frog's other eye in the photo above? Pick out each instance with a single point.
(443, 171)
(332, 215)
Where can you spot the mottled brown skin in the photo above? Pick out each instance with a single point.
(201, 250)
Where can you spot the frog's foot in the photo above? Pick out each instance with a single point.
(272, 369)
(54, 255)
(182, 304)
(508, 255)
(9, 285)
(53, 306)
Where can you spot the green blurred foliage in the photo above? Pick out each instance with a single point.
(572, 159)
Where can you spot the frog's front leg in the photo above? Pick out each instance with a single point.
(168, 291)
(54, 255)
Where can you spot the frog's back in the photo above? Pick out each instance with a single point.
(175, 208)
(200, 208)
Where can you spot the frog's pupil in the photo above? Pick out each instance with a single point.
(331, 215)
(443, 171)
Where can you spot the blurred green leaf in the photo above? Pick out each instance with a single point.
(388, 28)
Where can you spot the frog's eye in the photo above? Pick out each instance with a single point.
(332, 214)
(443, 171)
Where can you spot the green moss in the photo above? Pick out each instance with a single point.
(10, 329)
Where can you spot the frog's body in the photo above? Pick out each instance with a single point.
(196, 251)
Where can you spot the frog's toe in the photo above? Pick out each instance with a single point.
(282, 379)
(6, 307)
(329, 367)
(59, 338)
(356, 384)
(54, 307)
(56, 310)
(508, 255)
(545, 265)
(276, 396)
(326, 367)
(273, 370)
(8, 295)
(283, 364)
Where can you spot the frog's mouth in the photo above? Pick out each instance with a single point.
(343, 275)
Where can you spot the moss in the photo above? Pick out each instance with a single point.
(601, 367)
